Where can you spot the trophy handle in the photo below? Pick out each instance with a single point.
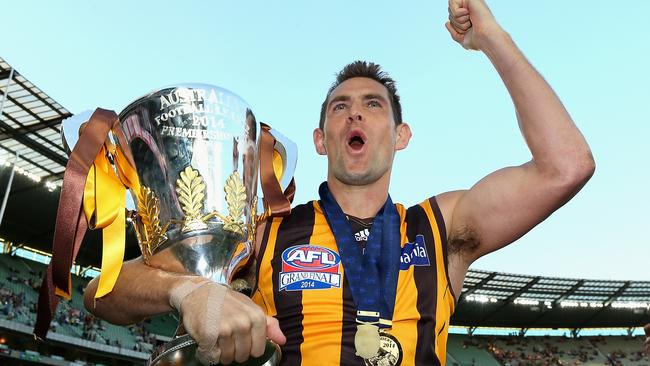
(71, 129)
(277, 164)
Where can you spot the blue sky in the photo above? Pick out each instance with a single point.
(281, 57)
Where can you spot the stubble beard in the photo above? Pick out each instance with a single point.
(366, 177)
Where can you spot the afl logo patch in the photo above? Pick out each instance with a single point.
(390, 352)
(309, 267)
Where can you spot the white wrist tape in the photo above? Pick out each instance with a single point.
(208, 351)
(180, 292)
(210, 301)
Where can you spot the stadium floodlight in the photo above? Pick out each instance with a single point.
(481, 298)
(524, 301)
(569, 304)
(630, 305)
(581, 304)
(51, 186)
(27, 174)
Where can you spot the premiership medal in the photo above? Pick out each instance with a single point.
(371, 273)
(389, 354)
(366, 341)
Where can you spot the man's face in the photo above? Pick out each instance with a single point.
(360, 136)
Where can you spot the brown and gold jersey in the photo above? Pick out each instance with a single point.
(301, 281)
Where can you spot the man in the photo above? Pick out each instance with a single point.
(393, 302)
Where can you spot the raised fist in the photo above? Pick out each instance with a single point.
(470, 22)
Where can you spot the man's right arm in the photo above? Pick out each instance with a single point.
(226, 325)
(140, 292)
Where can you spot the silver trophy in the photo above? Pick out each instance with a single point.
(197, 151)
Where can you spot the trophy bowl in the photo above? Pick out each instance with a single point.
(198, 150)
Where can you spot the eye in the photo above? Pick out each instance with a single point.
(339, 107)
(374, 104)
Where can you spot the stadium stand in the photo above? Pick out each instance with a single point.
(545, 351)
(19, 293)
(463, 350)
(21, 279)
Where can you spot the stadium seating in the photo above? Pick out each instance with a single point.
(465, 351)
(21, 280)
(514, 350)
(624, 350)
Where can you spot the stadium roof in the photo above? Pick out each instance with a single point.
(30, 126)
(494, 299)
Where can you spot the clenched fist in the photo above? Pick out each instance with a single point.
(470, 23)
(226, 325)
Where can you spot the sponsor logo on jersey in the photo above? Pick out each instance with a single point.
(414, 254)
(309, 267)
(362, 235)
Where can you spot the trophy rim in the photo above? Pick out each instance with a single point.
(189, 85)
(184, 341)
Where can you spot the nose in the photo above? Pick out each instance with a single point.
(355, 115)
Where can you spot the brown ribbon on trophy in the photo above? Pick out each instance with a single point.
(88, 176)
(277, 203)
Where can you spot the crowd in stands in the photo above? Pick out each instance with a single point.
(518, 351)
(18, 298)
(18, 303)
(15, 303)
(146, 340)
(554, 351)
(617, 356)
(10, 302)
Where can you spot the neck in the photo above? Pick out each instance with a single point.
(360, 201)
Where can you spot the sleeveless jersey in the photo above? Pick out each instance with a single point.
(301, 282)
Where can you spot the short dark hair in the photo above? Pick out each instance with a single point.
(371, 70)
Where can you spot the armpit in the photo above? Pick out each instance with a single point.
(463, 241)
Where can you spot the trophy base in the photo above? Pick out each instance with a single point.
(181, 351)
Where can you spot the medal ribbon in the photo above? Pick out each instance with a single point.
(372, 275)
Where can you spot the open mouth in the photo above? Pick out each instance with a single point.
(356, 141)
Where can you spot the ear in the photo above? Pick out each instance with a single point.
(403, 136)
(319, 141)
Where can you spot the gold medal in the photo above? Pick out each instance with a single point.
(366, 341)
(390, 352)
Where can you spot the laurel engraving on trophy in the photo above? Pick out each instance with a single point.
(149, 211)
(236, 200)
(191, 192)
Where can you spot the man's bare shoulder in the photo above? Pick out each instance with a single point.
(447, 202)
(458, 239)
